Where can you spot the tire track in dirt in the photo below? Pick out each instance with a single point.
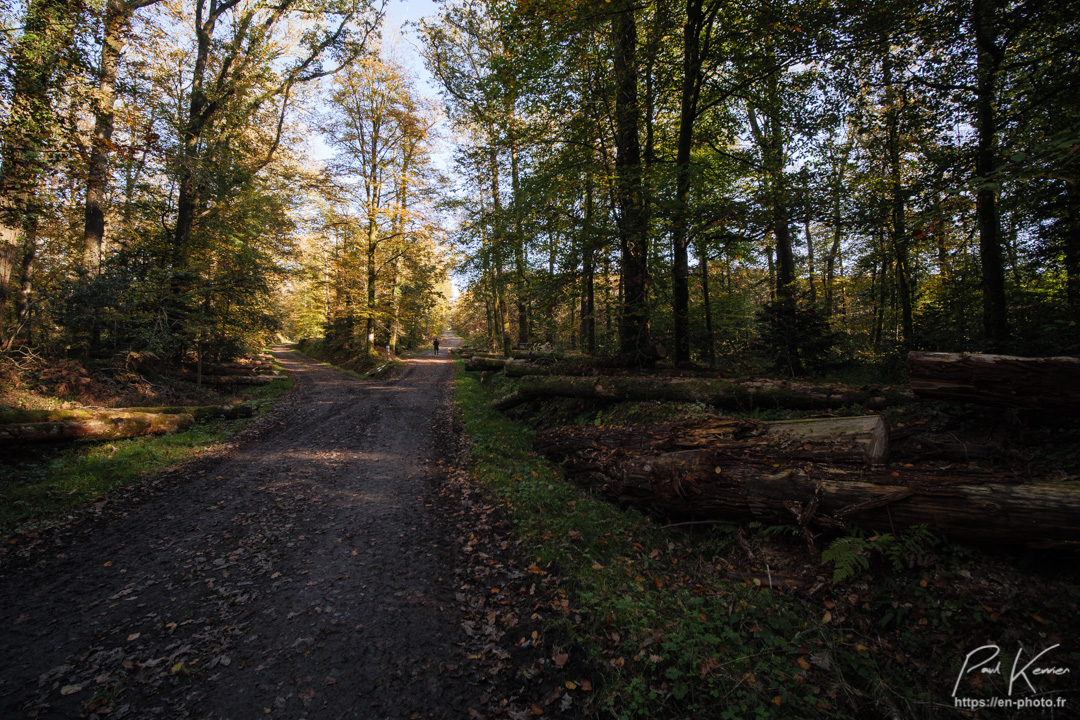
(302, 575)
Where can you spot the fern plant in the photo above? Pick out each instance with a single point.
(851, 554)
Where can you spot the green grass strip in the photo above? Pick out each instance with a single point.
(667, 644)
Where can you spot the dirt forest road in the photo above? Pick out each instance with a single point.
(302, 575)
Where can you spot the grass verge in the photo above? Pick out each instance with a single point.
(689, 622)
(44, 484)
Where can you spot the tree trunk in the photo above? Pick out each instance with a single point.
(691, 88)
(632, 220)
(236, 369)
(26, 135)
(498, 239)
(521, 279)
(861, 440)
(235, 379)
(898, 234)
(770, 140)
(120, 425)
(117, 17)
(989, 59)
(726, 394)
(1046, 384)
(837, 186)
(807, 218)
(706, 304)
(481, 363)
(26, 283)
(733, 484)
(1072, 248)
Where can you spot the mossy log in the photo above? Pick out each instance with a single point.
(202, 412)
(113, 426)
(199, 412)
(1046, 383)
(725, 394)
(725, 482)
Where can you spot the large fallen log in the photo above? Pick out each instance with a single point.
(234, 379)
(1050, 383)
(519, 367)
(232, 369)
(722, 483)
(108, 427)
(204, 412)
(725, 394)
(580, 365)
(863, 439)
(547, 355)
(479, 363)
(199, 412)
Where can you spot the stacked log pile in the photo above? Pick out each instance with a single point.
(251, 372)
(819, 473)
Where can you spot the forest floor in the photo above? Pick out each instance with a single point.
(336, 564)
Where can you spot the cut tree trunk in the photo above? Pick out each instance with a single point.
(547, 356)
(231, 369)
(582, 365)
(484, 363)
(731, 483)
(114, 427)
(863, 439)
(725, 394)
(236, 379)
(1051, 383)
(199, 412)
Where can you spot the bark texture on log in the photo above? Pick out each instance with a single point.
(725, 394)
(863, 440)
(547, 356)
(481, 363)
(232, 369)
(118, 426)
(726, 483)
(236, 379)
(1050, 383)
(199, 412)
(580, 365)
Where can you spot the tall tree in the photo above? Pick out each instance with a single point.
(27, 138)
(115, 28)
(222, 67)
(632, 217)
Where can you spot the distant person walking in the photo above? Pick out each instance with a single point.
(436, 346)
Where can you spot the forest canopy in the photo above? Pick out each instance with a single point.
(804, 182)
(809, 181)
(159, 192)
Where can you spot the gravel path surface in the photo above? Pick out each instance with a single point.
(304, 573)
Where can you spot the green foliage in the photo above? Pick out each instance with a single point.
(679, 650)
(851, 554)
